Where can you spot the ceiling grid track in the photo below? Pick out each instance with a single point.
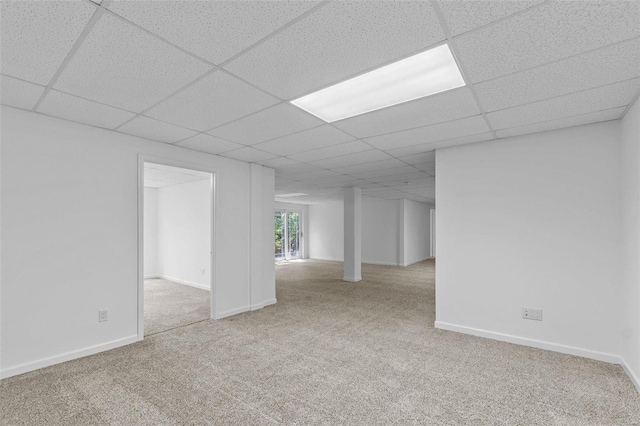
(83, 35)
(216, 67)
(454, 51)
(564, 58)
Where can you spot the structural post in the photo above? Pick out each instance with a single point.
(352, 234)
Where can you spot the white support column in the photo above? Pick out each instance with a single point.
(402, 233)
(262, 281)
(352, 234)
(256, 251)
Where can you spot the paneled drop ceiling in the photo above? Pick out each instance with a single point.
(160, 176)
(217, 77)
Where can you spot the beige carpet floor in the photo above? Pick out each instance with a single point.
(328, 353)
(169, 305)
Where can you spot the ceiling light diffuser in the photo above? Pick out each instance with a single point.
(421, 75)
(293, 194)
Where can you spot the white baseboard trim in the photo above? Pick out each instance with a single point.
(634, 379)
(151, 277)
(380, 263)
(417, 261)
(540, 344)
(68, 356)
(262, 304)
(327, 259)
(179, 281)
(232, 312)
(352, 280)
(364, 261)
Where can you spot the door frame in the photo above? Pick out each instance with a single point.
(286, 212)
(143, 158)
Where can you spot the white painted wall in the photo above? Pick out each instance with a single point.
(70, 236)
(533, 221)
(326, 231)
(150, 232)
(630, 137)
(385, 238)
(380, 231)
(417, 232)
(184, 233)
(268, 289)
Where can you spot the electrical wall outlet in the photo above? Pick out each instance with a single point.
(103, 315)
(202, 271)
(532, 314)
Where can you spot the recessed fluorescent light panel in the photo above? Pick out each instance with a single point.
(421, 75)
(294, 194)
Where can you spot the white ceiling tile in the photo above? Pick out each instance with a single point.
(214, 30)
(154, 183)
(434, 109)
(317, 174)
(83, 111)
(462, 16)
(280, 120)
(450, 129)
(332, 151)
(149, 128)
(379, 190)
(430, 146)
(38, 35)
(277, 162)
(160, 174)
(366, 167)
(603, 66)
(427, 167)
(352, 159)
(185, 178)
(178, 170)
(357, 183)
(248, 154)
(123, 66)
(546, 33)
(18, 93)
(413, 187)
(425, 157)
(210, 144)
(335, 179)
(216, 99)
(340, 39)
(601, 98)
(401, 177)
(594, 117)
(294, 169)
(414, 184)
(385, 172)
(318, 137)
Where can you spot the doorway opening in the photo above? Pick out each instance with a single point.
(288, 234)
(177, 247)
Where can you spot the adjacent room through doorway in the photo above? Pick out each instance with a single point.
(288, 234)
(177, 247)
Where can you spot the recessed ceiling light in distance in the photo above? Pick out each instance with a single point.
(424, 74)
(293, 194)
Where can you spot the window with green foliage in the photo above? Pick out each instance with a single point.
(287, 234)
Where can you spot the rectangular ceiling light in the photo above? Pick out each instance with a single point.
(421, 75)
(293, 194)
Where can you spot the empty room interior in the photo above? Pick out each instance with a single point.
(319, 212)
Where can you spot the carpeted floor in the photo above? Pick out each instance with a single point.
(328, 353)
(169, 305)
